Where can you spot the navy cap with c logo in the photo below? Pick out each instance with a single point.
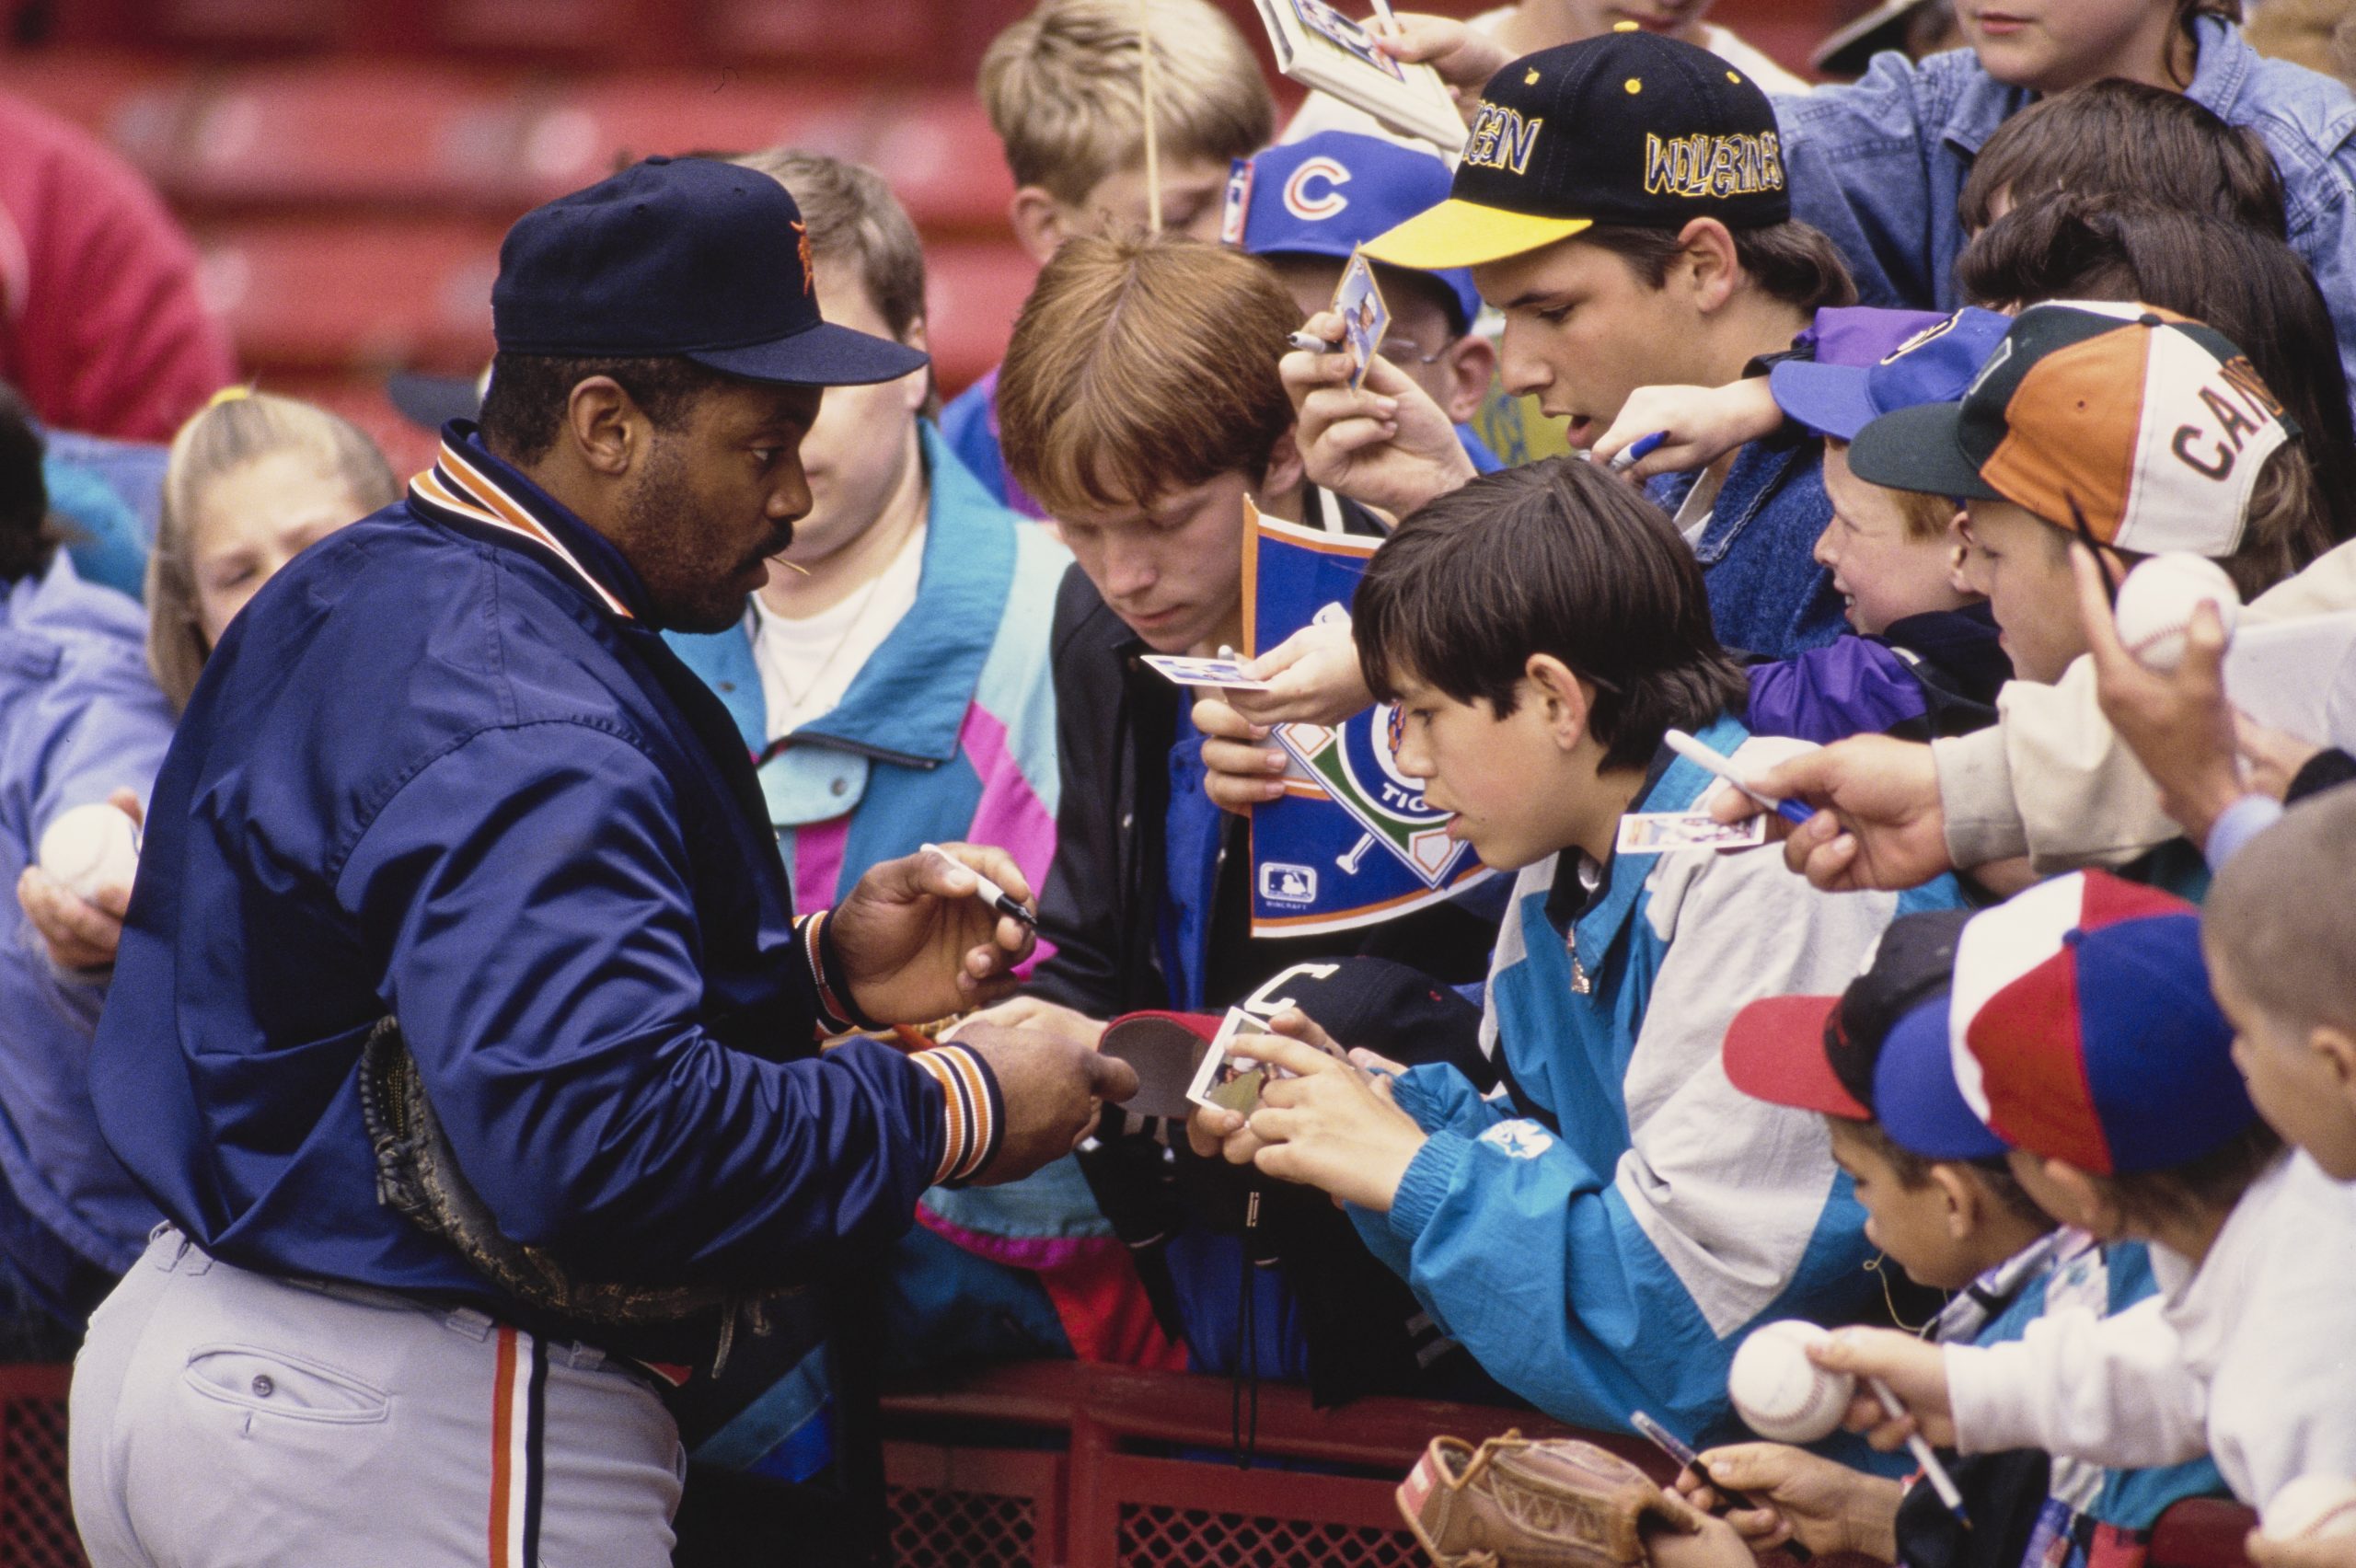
(689, 256)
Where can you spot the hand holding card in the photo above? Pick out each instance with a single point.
(1357, 300)
(1182, 670)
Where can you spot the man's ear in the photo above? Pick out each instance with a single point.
(2094, 1208)
(1965, 1199)
(2338, 1049)
(1709, 263)
(1471, 362)
(607, 430)
(1284, 475)
(1038, 222)
(917, 389)
(1569, 700)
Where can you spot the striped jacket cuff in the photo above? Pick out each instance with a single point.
(838, 1014)
(973, 1114)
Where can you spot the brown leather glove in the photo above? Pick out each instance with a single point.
(1516, 1503)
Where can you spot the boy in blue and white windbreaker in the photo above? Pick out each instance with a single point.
(1601, 1238)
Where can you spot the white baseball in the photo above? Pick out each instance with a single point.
(1782, 1395)
(91, 848)
(2312, 1507)
(2155, 606)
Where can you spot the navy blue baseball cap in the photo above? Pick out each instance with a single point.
(690, 257)
(1328, 194)
(1934, 366)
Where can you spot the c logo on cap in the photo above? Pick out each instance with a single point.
(1327, 203)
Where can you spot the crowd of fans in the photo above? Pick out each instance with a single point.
(2023, 1054)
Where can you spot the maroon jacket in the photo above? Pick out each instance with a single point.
(101, 328)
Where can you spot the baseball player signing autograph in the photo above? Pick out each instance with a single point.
(461, 1027)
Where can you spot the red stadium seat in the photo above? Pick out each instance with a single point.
(579, 136)
(354, 294)
(974, 293)
(945, 162)
(344, 132)
(280, 24)
(899, 36)
(550, 29)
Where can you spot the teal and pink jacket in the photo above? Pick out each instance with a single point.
(948, 732)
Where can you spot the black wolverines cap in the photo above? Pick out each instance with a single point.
(1629, 128)
(680, 255)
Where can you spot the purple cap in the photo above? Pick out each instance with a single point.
(1934, 364)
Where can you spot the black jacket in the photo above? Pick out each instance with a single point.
(1115, 720)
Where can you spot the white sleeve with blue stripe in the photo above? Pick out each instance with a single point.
(1594, 1287)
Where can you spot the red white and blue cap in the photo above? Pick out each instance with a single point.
(1329, 193)
(2081, 1028)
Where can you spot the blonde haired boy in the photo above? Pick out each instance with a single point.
(1065, 91)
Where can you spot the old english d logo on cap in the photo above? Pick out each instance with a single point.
(1627, 129)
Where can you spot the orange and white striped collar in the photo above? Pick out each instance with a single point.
(461, 484)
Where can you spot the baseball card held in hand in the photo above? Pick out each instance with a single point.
(1225, 1080)
(1365, 317)
(1666, 832)
(1203, 672)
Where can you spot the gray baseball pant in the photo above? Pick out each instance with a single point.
(225, 1417)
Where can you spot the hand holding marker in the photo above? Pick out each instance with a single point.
(1636, 452)
(986, 890)
(1682, 1452)
(1703, 756)
(1933, 1471)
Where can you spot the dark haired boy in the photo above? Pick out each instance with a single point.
(1622, 203)
(2084, 1037)
(1600, 1238)
(1946, 1208)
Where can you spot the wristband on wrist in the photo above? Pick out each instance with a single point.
(838, 1013)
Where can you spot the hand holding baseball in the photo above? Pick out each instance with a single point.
(2176, 722)
(1916, 1370)
(77, 904)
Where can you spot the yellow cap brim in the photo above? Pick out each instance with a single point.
(1466, 233)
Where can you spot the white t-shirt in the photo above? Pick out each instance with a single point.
(806, 664)
(1321, 112)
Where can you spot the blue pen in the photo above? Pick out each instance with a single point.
(1703, 756)
(1638, 451)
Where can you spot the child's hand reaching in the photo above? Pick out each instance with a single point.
(1826, 1506)
(1703, 424)
(1465, 59)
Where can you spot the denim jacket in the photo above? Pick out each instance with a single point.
(1767, 595)
(1878, 165)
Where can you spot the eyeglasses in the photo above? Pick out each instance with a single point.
(1399, 352)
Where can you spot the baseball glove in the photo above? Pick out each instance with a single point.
(417, 1176)
(1519, 1502)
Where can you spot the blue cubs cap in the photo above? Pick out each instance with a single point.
(1914, 1090)
(689, 256)
(1934, 364)
(1328, 194)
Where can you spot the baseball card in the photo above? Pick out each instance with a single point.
(1667, 832)
(1365, 317)
(1345, 35)
(1203, 672)
(1225, 1082)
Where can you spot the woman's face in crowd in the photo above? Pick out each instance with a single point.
(2050, 46)
(253, 520)
(1585, 19)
